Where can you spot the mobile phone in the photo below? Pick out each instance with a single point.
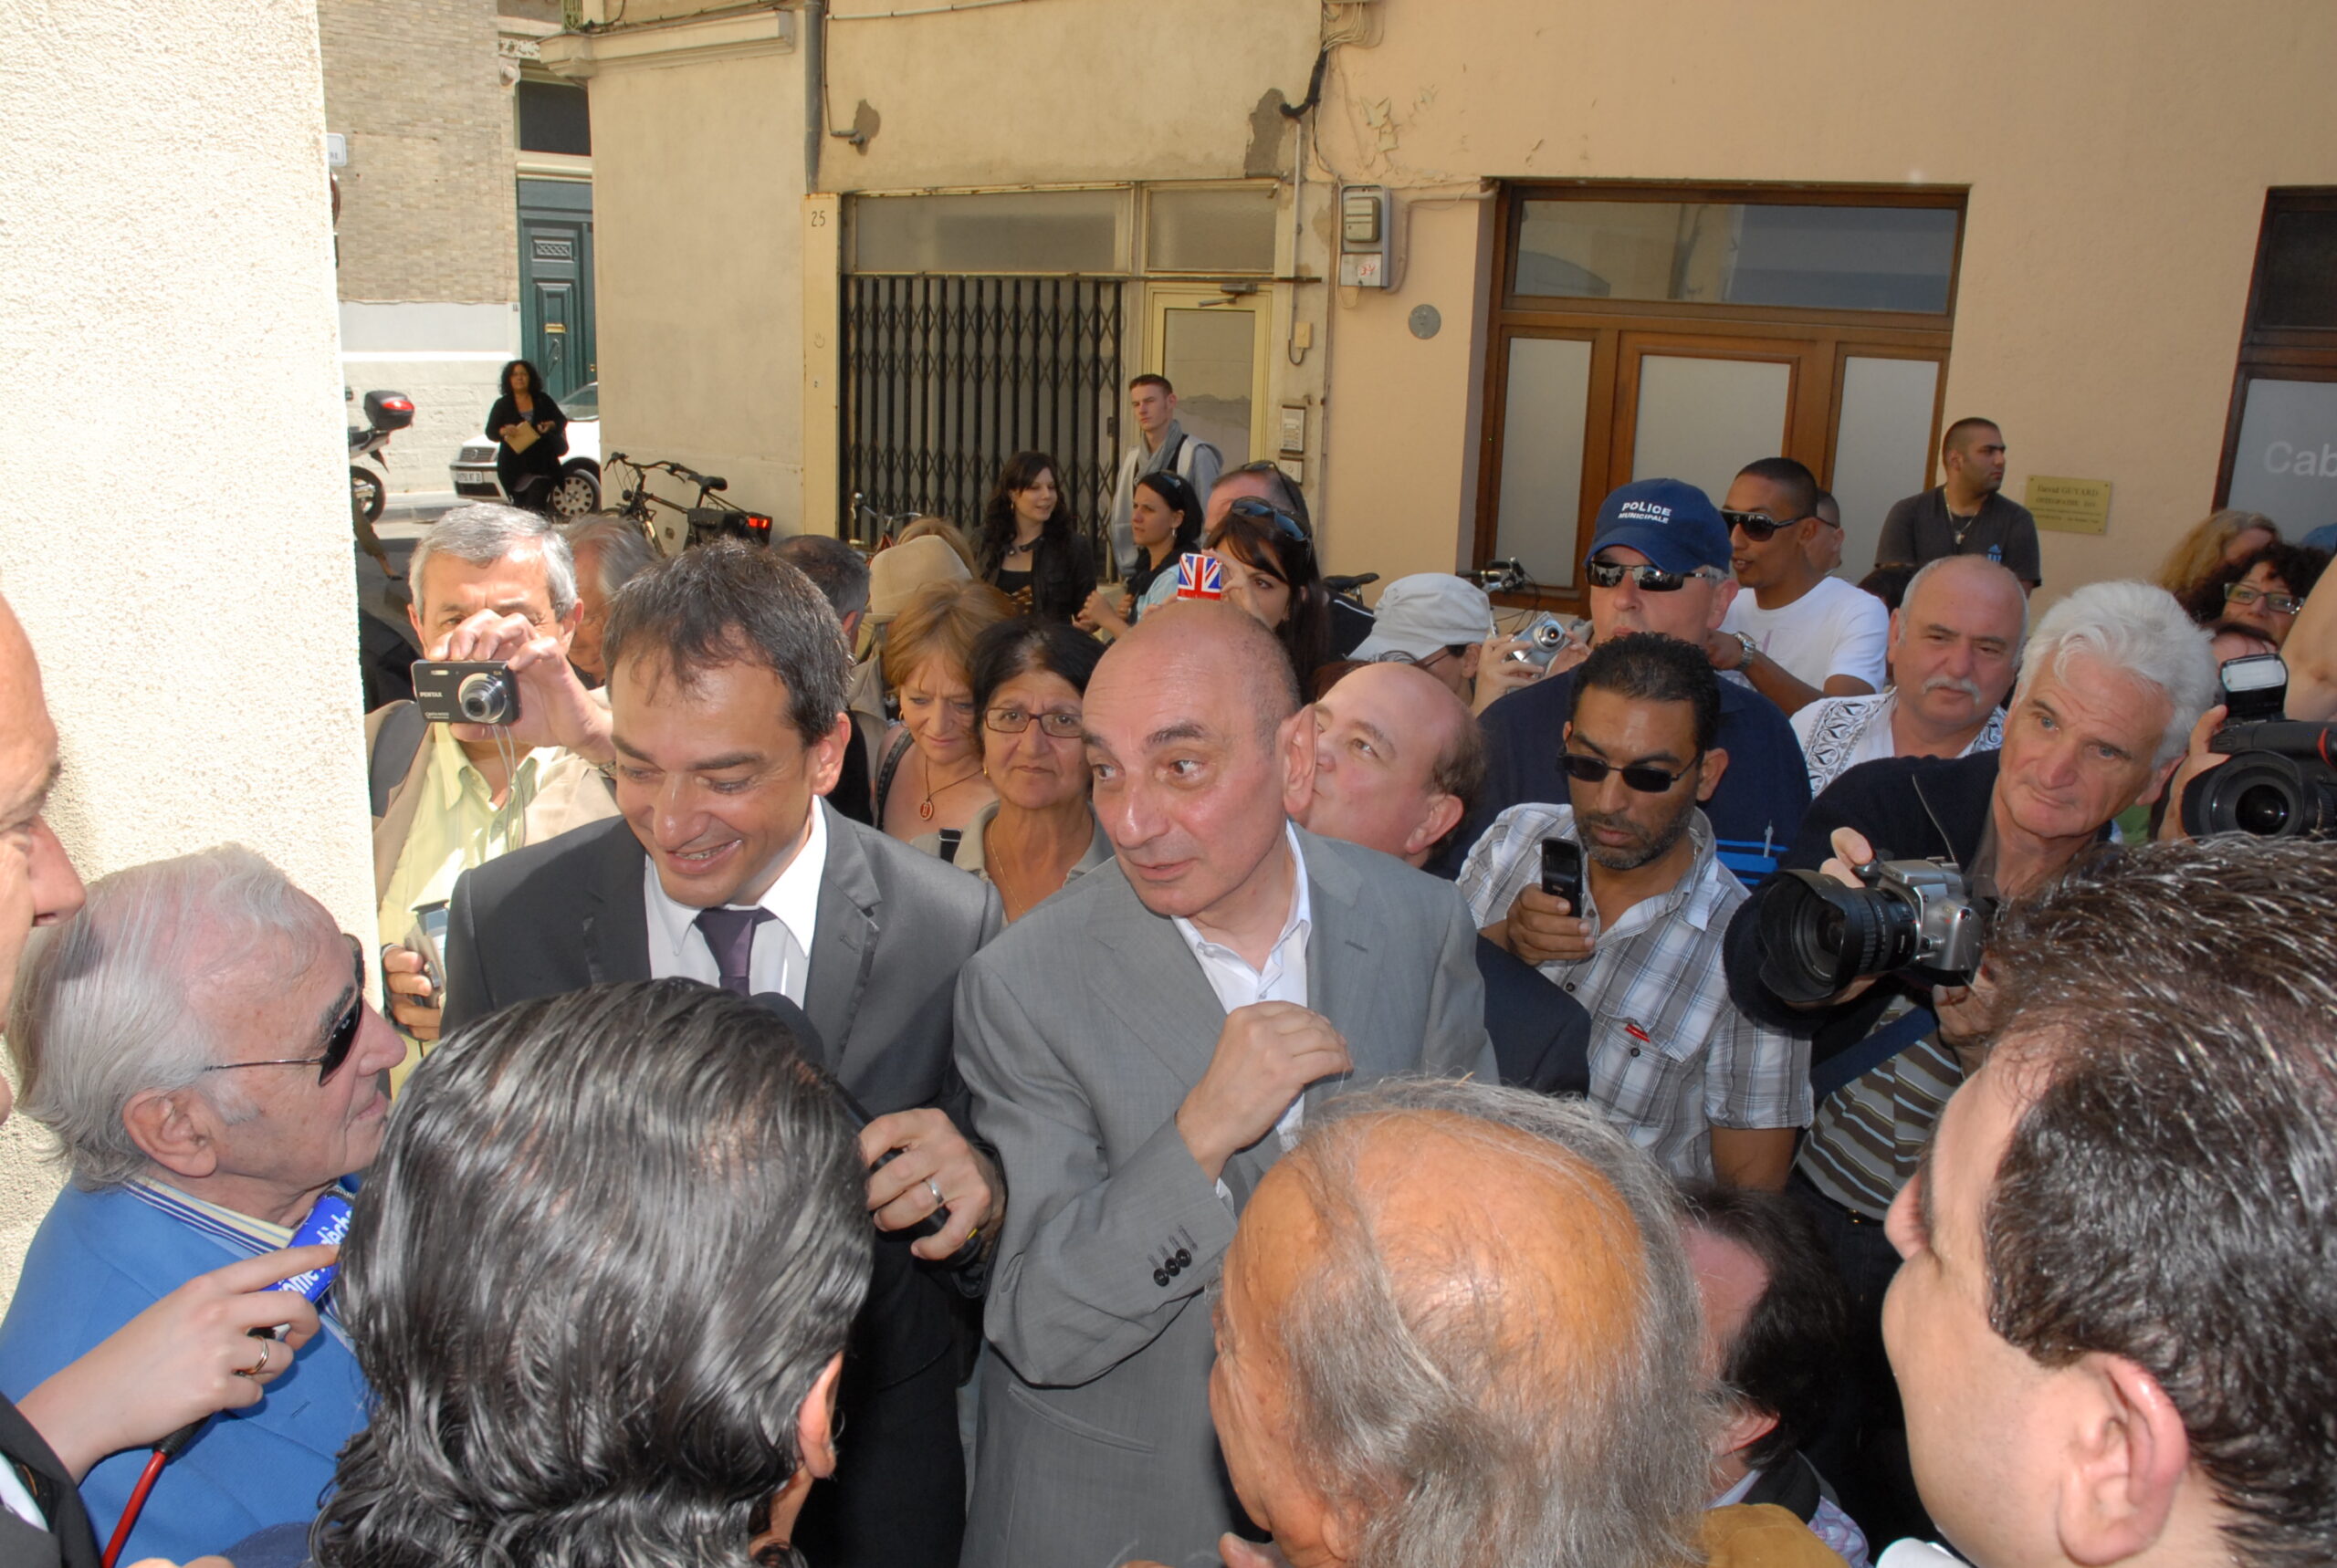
(1562, 871)
(428, 938)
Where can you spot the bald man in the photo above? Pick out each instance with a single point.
(1141, 1050)
(1391, 759)
(1457, 1327)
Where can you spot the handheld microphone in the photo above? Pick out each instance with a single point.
(328, 1222)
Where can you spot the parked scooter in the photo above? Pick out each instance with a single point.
(384, 412)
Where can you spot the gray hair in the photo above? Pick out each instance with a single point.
(1452, 1448)
(625, 552)
(105, 1009)
(2139, 628)
(1985, 568)
(483, 533)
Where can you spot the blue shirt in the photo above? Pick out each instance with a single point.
(1754, 813)
(101, 1258)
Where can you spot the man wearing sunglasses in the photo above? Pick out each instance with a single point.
(1696, 1083)
(1658, 562)
(198, 1041)
(1796, 633)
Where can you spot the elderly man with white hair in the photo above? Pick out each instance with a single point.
(198, 1041)
(2112, 682)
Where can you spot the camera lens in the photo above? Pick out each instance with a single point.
(2262, 808)
(1818, 935)
(487, 698)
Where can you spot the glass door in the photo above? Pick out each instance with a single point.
(1700, 409)
(1211, 347)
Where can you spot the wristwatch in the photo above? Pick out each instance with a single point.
(1752, 649)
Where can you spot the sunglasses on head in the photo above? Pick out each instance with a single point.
(1650, 578)
(338, 1039)
(1758, 526)
(1645, 778)
(1274, 516)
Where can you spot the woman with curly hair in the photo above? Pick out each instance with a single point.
(1031, 549)
(2262, 592)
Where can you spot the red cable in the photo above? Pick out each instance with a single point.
(153, 1472)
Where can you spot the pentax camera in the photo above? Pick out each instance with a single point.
(465, 692)
(1544, 636)
(2280, 782)
(1818, 935)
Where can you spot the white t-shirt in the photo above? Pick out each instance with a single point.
(1833, 630)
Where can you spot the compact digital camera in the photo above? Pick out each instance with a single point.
(1818, 935)
(482, 692)
(1545, 635)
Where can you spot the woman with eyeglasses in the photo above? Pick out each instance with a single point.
(2262, 592)
(1165, 519)
(929, 782)
(1271, 571)
(1039, 831)
(1031, 549)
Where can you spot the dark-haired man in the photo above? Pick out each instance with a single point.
(1161, 446)
(1658, 562)
(1967, 514)
(1142, 1048)
(726, 724)
(1699, 1085)
(1796, 633)
(1775, 1328)
(2111, 1329)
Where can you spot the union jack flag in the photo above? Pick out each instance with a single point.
(1200, 577)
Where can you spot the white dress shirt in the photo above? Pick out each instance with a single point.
(1283, 979)
(782, 958)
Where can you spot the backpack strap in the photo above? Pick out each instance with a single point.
(1845, 1067)
(397, 732)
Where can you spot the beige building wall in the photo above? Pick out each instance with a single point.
(2117, 156)
(173, 508)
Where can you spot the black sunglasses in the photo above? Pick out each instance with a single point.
(1640, 776)
(339, 1040)
(1758, 526)
(1274, 516)
(1650, 578)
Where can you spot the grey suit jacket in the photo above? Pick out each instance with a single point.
(1080, 1031)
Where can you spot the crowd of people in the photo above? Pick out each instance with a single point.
(929, 1061)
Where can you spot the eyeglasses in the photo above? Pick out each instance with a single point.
(1650, 578)
(1640, 776)
(1055, 725)
(2278, 603)
(339, 1040)
(1758, 526)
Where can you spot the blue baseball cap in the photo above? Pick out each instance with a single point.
(1671, 523)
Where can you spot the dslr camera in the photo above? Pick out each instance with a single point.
(1818, 935)
(2280, 782)
(465, 692)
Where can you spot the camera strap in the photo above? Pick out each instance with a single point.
(1847, 1067)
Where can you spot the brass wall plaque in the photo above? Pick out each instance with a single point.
(2070, 506)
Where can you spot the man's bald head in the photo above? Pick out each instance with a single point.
(1395, 761)
(1199, 638)
(1463, 1311)
(37, 884)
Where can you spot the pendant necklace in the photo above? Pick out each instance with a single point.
(925, 811)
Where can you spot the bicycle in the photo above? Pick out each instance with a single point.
(881, 526)
(710, 516)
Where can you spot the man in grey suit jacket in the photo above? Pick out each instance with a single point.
(1140, 1047)
(726, 725)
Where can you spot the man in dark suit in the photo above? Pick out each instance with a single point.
(1391, 759)
(726, 724)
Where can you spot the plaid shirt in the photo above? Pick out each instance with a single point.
(1671, 1057)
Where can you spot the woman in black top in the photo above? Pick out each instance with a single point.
(1165, 519)
(1271, 571)
(527, 475)
(1031, 546)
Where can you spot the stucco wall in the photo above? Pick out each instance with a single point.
(173, 514)
(2117, 156)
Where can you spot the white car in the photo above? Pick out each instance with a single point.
(579, 490)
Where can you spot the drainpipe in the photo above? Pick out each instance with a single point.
(815, 88)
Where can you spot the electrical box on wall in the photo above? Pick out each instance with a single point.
(1363, 236)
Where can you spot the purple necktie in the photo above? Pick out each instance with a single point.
(730, 936)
